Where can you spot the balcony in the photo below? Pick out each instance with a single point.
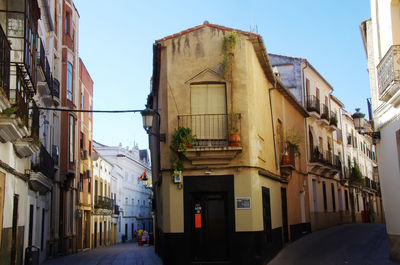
(44, 78)
(349, 139)
(324, 119)
(389, 74)
(211, 144)
(29, 145)
(324, 162)
(56, 91)
(42, 171)
(54, 154)
(313, 106)
(367, 183)
(288, 166)
(339, 135)
(22, 34)
(4, 71)
(103, 203)
(84, 154)
(337, 163)
(116, 209)
(14, 120)
(332, 122)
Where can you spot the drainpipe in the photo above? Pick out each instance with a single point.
(303, 84)
(273, 125)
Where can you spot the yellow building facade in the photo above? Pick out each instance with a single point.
(103, 232)
(221, 200)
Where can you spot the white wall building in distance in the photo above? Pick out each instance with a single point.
(131, 196)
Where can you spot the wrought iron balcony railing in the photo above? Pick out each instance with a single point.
(116, 209)
(42, 162)
(313, 104)
(104, 203)
(367, 182)
(328, 157)
(333, 119)
(339, 136)
(34, 114)
(42, 56)
(347, 173)
(349, 139)
(374, 185)
(4, 64)
(55, 154)
(317, 156)
(292, 155)
(324, 112)
(389, 73)
(56, 88)
(19, 98)
(336, 162)
(210, 130)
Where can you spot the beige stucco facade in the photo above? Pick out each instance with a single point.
(252, 170)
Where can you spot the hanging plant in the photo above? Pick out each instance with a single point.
(228, 46)
(182, 139)
(11, 110)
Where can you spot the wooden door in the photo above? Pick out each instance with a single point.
(209, 232)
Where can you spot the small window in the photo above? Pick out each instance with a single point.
(82, 100)
(67, 22)
(71, 138)
(69, 81)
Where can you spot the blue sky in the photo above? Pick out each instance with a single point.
(116, 38)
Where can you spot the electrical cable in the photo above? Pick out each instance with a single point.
(92, 111)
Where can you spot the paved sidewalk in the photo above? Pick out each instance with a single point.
(361, 244)
(120, 254)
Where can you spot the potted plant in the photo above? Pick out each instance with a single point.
(233, 129)
(290, 139)
(333, 121)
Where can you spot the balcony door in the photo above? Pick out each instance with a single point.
(208, 113)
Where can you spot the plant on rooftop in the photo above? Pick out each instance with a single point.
(228, 45)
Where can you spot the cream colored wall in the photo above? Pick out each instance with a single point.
(317, 82)
(275, 199)
(183, 58)
(172, 203)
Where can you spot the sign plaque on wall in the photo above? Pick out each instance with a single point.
(243, 203)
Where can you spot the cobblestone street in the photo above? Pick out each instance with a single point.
(120, 254)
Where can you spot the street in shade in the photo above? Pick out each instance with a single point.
(119, 254)
(359, 244)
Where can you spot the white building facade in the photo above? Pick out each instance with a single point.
(381, 36)
(132, 197)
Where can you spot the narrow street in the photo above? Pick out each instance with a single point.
(346, 244)
(120, 254)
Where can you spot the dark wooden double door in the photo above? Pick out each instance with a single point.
(209, 220)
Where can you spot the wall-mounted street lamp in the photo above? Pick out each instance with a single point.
(359, 123)
(148, 119)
